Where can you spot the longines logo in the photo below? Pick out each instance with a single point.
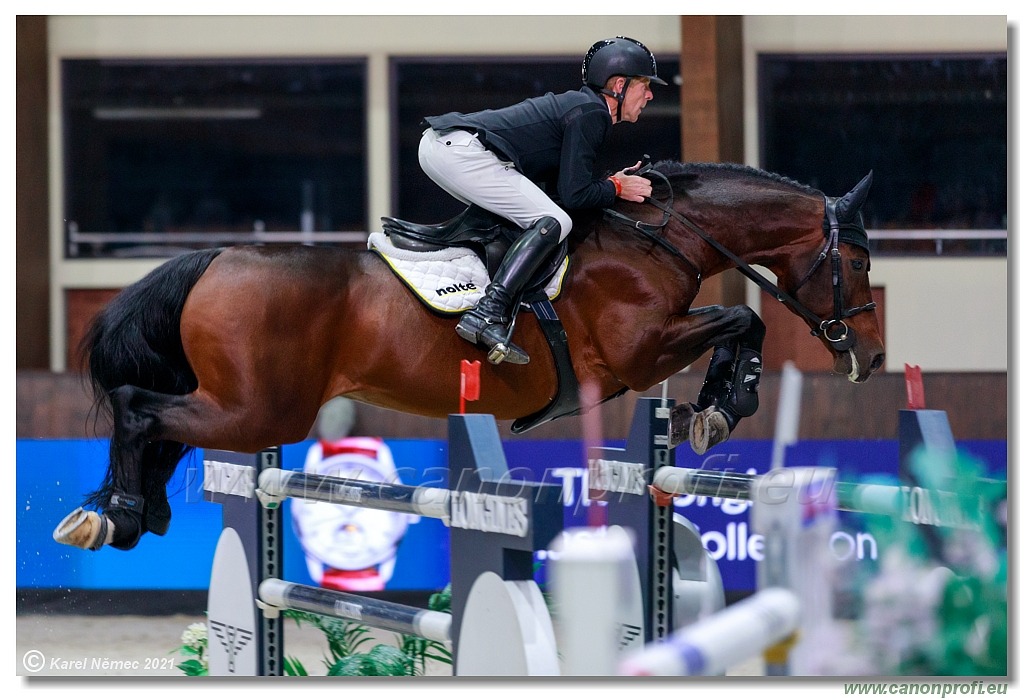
(232, 638)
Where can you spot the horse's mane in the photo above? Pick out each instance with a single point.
(677, 171)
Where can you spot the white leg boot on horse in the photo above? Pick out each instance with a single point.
(489, 323)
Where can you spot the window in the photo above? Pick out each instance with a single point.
(469, 85)
(168, 154)
(933, 129)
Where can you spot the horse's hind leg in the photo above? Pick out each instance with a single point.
(133, 497)
(730, 386)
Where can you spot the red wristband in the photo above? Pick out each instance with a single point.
(618, 185)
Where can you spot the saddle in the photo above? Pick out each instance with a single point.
(489, 236)
(485, 233)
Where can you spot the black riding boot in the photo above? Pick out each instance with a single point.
(488, 323)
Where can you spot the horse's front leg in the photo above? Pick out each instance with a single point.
(730, 387)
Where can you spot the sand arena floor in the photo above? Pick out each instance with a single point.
(128, 645)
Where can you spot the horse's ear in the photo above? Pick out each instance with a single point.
(852, 201)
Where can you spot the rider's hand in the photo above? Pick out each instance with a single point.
(634, 187)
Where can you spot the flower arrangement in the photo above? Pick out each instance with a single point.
(346, 647)
(938, 604)
(194, 643)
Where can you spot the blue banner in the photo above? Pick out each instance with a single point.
(54, 475)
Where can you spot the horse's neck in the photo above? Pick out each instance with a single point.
(765, 232)
(612, 265)
(764, 226)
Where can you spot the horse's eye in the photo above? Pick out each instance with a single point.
(857, 265)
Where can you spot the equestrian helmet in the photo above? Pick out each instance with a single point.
(619, 56)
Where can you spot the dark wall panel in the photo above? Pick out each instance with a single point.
(57, 405)
(32, 197)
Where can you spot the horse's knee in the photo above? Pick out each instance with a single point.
(121, 400)
(753, 328)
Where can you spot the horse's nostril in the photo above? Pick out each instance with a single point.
(877, 362)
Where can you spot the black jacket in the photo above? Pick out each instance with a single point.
(552, 139)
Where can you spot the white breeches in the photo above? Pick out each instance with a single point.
(466, 170)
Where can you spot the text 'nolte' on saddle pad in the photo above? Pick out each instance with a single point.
(449, 281)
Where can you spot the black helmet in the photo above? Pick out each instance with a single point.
(619, 56)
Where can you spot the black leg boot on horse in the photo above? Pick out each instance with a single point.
(132, 501)
(489, 324)
(149, 511)
(730, 389)
(729, 393)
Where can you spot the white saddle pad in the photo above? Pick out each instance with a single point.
(450, 281)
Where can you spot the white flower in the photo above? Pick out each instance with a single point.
(194, 635)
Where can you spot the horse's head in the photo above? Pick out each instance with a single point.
(836, 291)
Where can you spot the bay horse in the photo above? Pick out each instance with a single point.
(238, 348)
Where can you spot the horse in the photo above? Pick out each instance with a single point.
(237, 348)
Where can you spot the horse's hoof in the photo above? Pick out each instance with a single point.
(679, 420)
(707, 429)
(82, 528)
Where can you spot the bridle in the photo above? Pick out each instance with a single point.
(835, 330)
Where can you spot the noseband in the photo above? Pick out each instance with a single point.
(854, 234)
(835, 329)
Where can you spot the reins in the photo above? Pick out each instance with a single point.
(650, 231)
(844, 339)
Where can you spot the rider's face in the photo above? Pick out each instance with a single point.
(638, 94)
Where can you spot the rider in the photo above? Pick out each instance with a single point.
(496, 158)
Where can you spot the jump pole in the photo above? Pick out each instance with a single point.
(496, 524)
(796, 516)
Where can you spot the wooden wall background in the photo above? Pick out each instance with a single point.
(58, 406)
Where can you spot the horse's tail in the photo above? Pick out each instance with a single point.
(136, 341)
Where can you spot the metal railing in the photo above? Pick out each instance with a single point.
(172, 240)
(937, 235)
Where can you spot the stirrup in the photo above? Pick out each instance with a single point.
(493, 337)
(507, 352)
(502, 349)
